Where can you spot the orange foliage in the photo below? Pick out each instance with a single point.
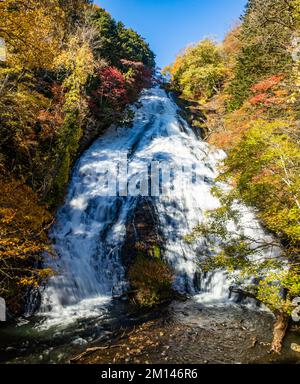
(267, 84)
(23, 224)
(235, 126)
(259, 98)
(232, 46)
(267, 93)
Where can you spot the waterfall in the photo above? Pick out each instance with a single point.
(91, 226)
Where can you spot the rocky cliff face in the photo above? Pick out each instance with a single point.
(142, 233)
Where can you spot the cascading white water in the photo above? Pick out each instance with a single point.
(90, 228)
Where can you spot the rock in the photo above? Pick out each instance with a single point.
(79, 341)
(295, 347)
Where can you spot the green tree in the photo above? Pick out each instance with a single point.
(266, 36)
(199, 72)
(115, 42)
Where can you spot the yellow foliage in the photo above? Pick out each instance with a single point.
(32, 31)
(23, 225)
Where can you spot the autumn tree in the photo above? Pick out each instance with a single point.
(23, 22)
(199, 71)
(266, 37)
(23, 226)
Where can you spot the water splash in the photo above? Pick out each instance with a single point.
(90, 228)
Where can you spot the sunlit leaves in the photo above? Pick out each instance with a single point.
(199, 72)
(23, 23)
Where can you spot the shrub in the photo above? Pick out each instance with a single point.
(151, 280)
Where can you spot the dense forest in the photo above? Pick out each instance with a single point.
(57, 94)
(244, 96)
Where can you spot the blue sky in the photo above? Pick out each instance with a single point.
(170, 25)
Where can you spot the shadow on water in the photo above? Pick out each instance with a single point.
(182, 332)
(28, 342)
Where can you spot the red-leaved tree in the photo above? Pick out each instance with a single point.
(111, 93)
(138, 77)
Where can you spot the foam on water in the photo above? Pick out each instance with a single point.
(90, 228)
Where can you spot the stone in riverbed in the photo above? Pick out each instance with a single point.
(295, 347)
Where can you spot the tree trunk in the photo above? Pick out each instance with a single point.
(280, 327)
